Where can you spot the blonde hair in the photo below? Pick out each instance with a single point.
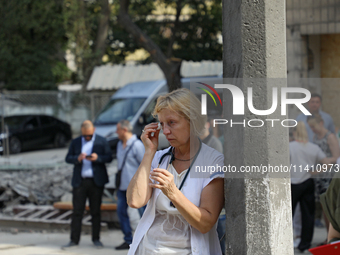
(300, 132)
(184, 103)
(315, 118)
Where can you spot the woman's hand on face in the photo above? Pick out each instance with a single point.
(149, 141)
(165, 181)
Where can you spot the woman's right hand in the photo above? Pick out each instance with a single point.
(150, 142)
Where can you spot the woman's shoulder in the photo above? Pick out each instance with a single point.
(330, 136)
(210, 153)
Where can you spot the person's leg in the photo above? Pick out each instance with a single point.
(297, 221)
(78, 201)
(326, 183)
(307, 204)
(297, 226)
(295, 193)
(123, 216)
(95, 200)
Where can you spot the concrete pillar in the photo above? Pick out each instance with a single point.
(259, 219)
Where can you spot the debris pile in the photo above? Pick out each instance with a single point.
(36, 186)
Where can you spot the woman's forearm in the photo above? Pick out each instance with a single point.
(139, 191)
(205, 216)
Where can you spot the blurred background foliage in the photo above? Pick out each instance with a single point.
(36, 34)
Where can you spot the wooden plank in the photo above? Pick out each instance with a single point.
(68, 206)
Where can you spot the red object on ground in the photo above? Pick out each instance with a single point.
(328, 249)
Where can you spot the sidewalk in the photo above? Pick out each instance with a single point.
(49, 243)
(25, 243)
(319, 236)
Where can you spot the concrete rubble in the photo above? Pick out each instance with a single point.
(36, 186)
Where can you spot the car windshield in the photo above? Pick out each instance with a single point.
(119, 109)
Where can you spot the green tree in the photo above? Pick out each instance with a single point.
(87, 26)
(95, 28)
(32, 38)
(193, 36)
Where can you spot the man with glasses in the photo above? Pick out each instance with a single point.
(89, 153)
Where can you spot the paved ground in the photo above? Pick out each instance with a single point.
(50, 243)
(319, 236)
(25, 243)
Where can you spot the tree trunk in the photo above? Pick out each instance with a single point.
(169, 67)
(100, 43)
(173, 76)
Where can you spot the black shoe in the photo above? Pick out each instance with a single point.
(123, 246)
(71, 244)
(98, 244)
(303, 249)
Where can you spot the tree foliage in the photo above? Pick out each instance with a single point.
(196, 36)
(87, 25)
(32, 37)
(171, 38)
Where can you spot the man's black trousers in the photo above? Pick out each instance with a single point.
(87, 189)
(304, 193)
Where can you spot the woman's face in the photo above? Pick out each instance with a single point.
(175, 127)
(315, 127)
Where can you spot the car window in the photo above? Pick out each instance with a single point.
(31, 123)
(148, 112)
(119, 109)
(45, 121)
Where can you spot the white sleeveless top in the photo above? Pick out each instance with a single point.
(170, 232)
(201, 244)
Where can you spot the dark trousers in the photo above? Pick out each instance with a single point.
(123, 216)
(87, 189)
(304, 193)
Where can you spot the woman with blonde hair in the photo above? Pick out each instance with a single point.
(303, 156)
(182, 205)
(324, 138)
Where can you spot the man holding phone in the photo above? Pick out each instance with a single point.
(89, 153)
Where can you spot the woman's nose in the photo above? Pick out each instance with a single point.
(166, 130)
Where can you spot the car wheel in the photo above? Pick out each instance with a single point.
(14, 145)
(59, 140)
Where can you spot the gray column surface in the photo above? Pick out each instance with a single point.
(258, 210)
